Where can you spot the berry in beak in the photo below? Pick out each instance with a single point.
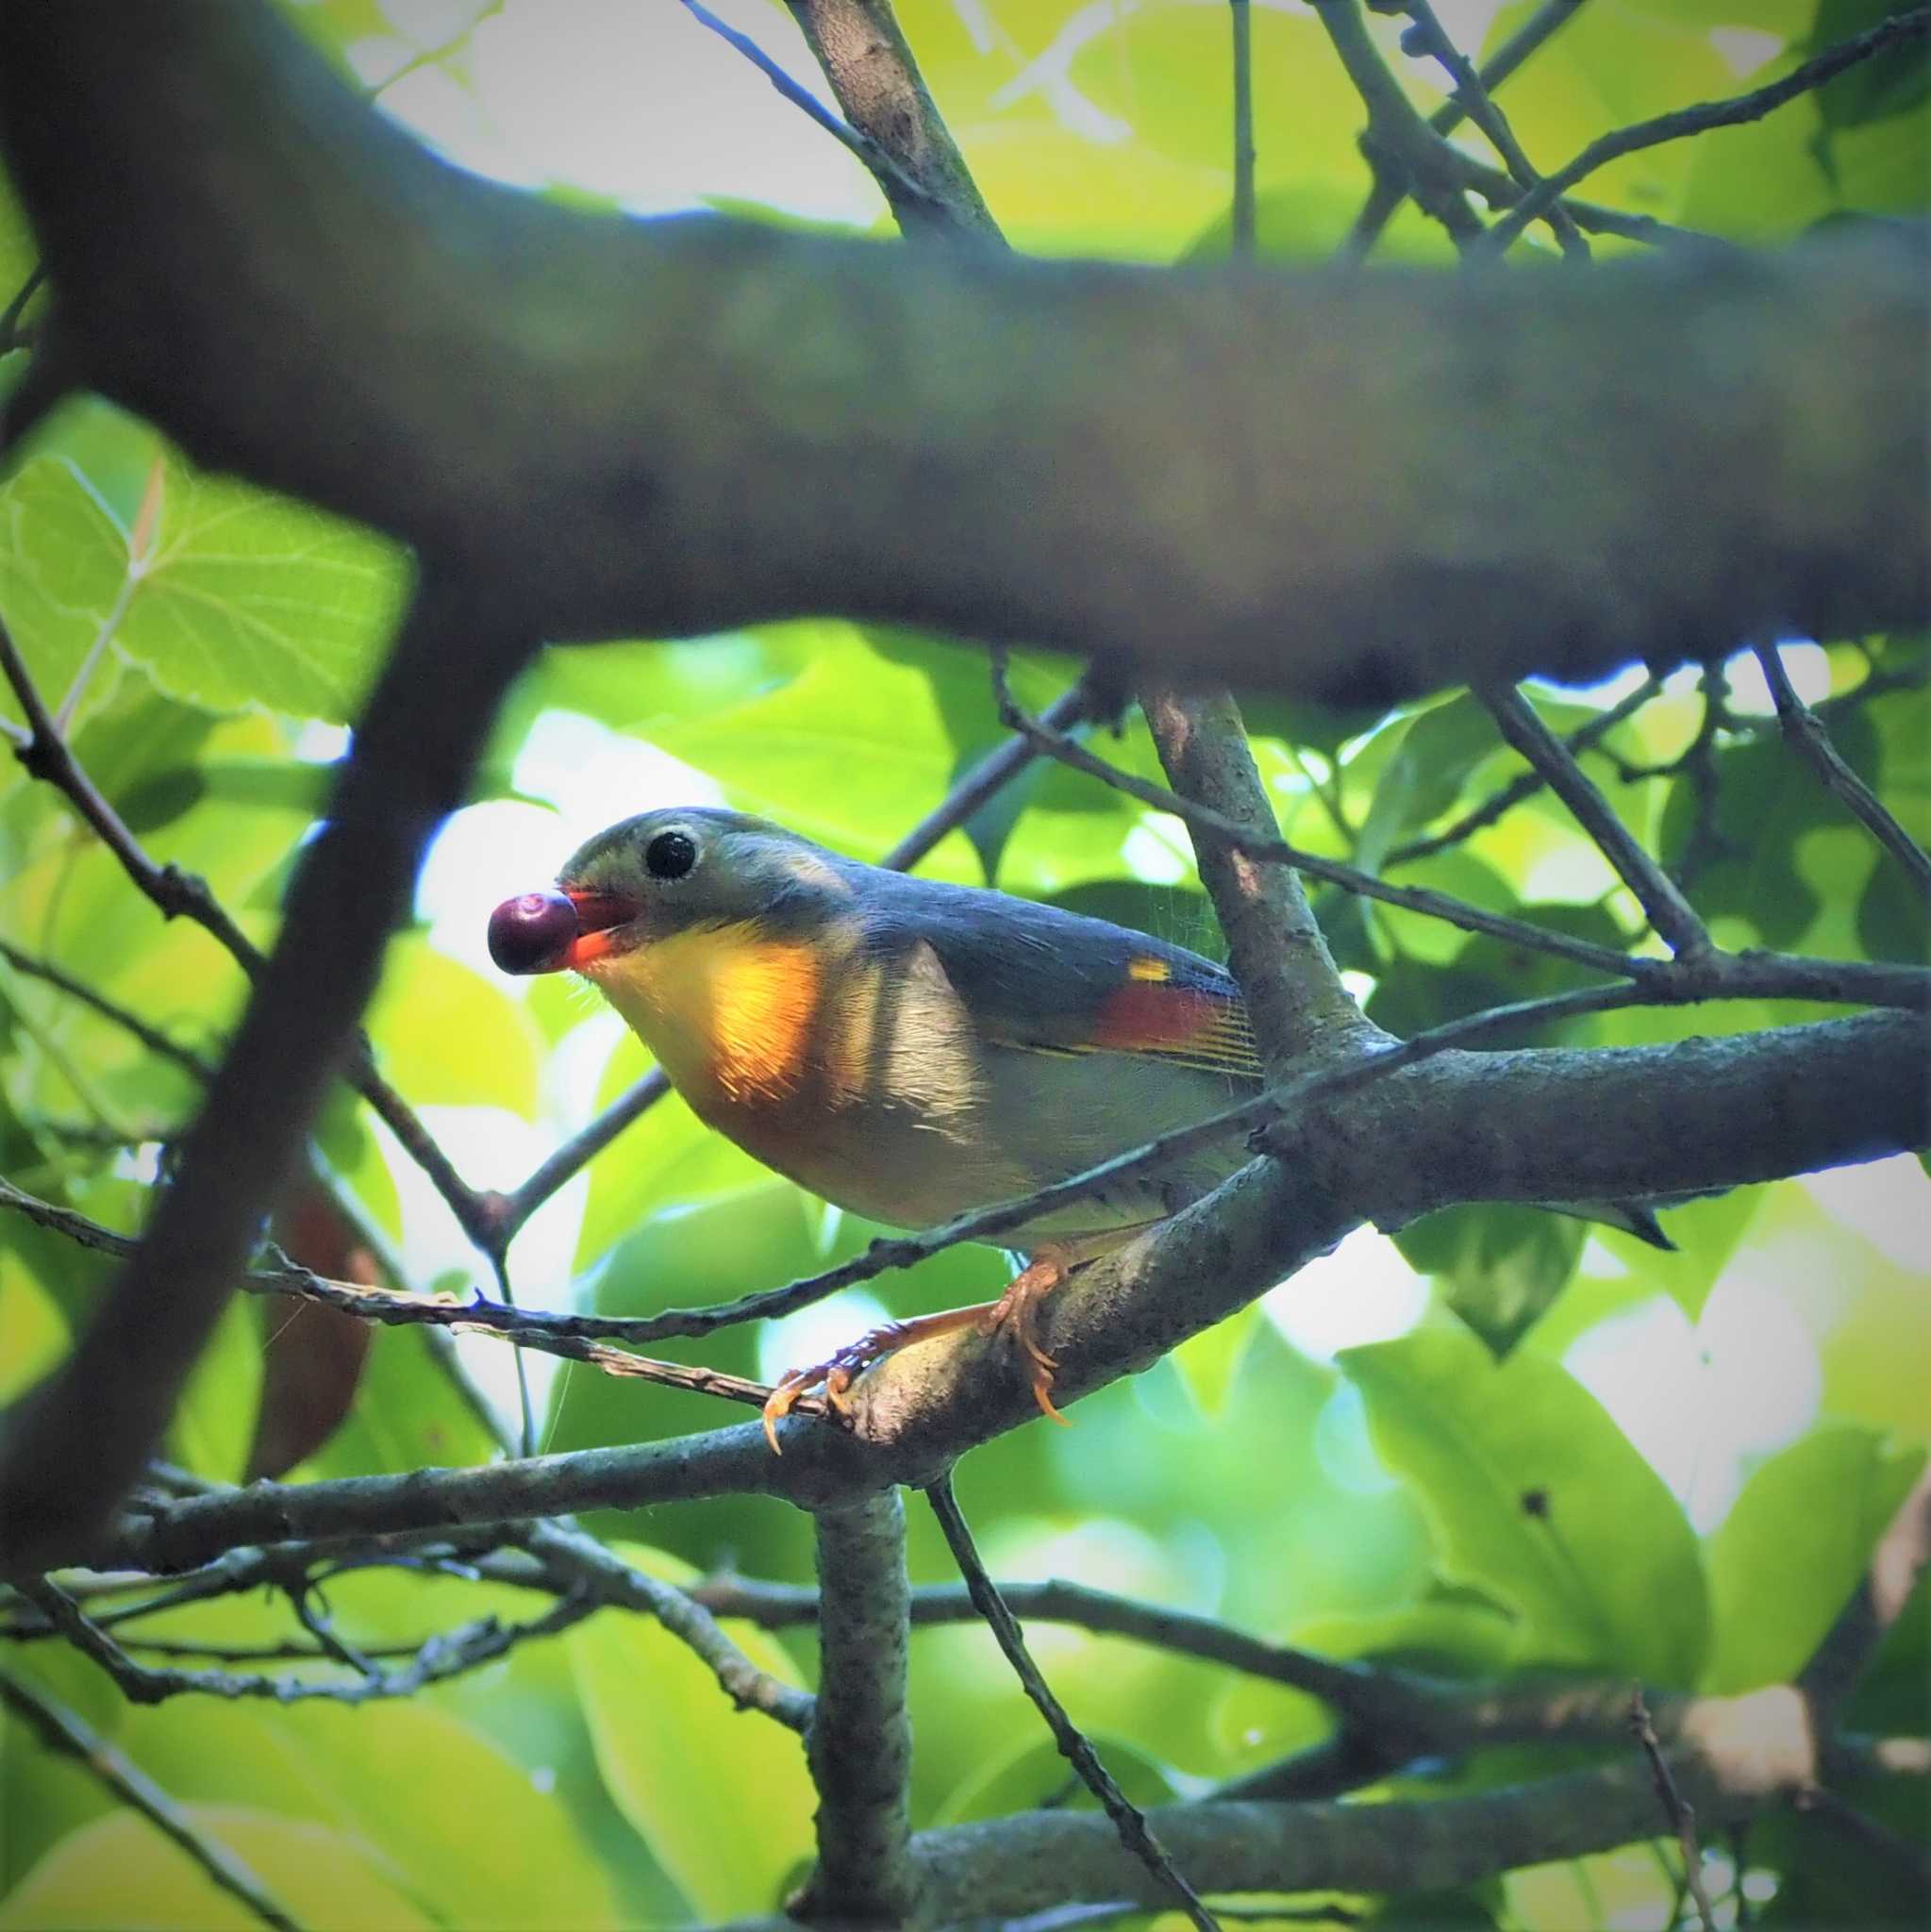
(551, 930)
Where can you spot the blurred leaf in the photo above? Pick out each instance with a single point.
(1795, 1546)
(408, 1414)
(1032, 1775)
(1614, 63)
(1536, 1495)
(1500, 1265)
(1760, 182)
(214, 1421)
(668, 1158)
(32, 1335)
(1707, 1232)
(1887, 84)
(892, 712)
(120, 1871)
(1485, 971)
(1181, 915)
(446, 1036)
(1207, 1362)
(404, 1781)
(677, 1768)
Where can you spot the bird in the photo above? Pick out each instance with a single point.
(905, 1048)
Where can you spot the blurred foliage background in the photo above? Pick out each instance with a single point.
(1343, 1464)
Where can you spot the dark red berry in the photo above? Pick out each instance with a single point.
(532, 934)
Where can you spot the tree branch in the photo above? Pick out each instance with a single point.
(592, 1567)
(877, 83)
(1670, 912)
(859, 1743)
(1326, 424)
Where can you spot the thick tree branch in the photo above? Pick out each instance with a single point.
(1007, 1865)
(1325, 426)
(1530, 1124)
(859, 1743)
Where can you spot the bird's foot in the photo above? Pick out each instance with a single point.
(1015, 1313)
(840, 1368)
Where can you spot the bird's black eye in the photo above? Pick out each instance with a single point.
(670, 854)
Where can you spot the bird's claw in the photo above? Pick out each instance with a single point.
(836, 1372)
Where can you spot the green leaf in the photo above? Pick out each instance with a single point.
(1031, 1773)
(120, 1871)
(680, 1768)
(1535, 1496)
(890, 713)
(249, 598)
(404, 1781)
(1437, 755)
(214, 1423)
(445, 1036)
(1500, 1265)
(1207, 1362)
(1795, 1546)
(1766, 802)
(408, 1414)
(1887, 84)
(669, 1158)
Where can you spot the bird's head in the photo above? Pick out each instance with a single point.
(664, 875)
(712, 934)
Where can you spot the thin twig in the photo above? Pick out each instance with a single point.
(152, 1037)
(1350, 879)
(67, 1732)
(452, 1653)
(1804, 730)
(1476, 103)
(1524, 785)
(1385, 197)
(1682, 1819)
(1242, 24)
(1673, 917)
(1681, 123)
(1128, 1819)
(612, 1580)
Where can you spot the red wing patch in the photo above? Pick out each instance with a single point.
(1177, 1023)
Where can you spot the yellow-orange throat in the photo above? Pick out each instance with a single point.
(727, 1009)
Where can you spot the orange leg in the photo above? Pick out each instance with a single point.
(1015, 1313)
